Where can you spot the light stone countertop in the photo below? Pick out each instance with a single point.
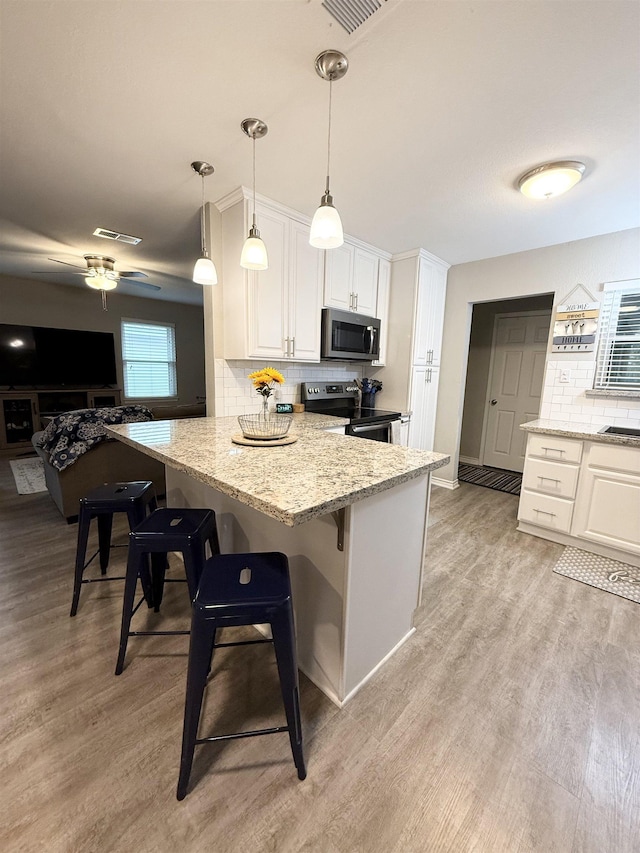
(586, 432)
(320, 473)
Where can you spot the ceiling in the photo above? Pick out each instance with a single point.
(105, 105)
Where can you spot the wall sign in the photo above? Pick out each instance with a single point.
(575, 327)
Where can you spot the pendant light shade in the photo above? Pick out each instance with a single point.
(254, 252)
(204, 271)
(551, 179)
(326, 227)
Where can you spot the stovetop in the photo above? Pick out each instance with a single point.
(340, 399)
(358, 414)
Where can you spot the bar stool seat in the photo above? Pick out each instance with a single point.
(241, 589)
(136, 499)
(185, 530)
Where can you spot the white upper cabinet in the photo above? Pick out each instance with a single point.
(274, 313)
(382, 308)
(351, 278)
(429, 315)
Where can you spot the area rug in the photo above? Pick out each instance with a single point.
(29, 475)
(491, 478)
(601, 572)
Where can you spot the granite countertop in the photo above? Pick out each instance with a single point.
(320, 473)
(586, 432)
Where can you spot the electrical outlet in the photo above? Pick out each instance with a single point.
(565, 376)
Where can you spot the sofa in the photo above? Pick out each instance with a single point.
(108, 462)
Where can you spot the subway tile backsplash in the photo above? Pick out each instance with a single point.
(235, 394)
(566, 401)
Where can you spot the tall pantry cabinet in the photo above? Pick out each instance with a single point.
(416, 316)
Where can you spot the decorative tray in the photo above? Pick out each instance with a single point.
(238, 438)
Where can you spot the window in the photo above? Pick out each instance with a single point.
(148, 359)
(618, 363)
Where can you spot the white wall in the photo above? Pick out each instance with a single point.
(554, 269)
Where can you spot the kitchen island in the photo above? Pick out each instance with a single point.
(350, 514)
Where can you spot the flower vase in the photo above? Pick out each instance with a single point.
(265, 408)
(368, 400)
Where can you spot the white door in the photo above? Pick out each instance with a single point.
(515, 386)
(430, 299)
(365, 285)
(338, 277)
(267, 322)
(424, 398)
(305, 295)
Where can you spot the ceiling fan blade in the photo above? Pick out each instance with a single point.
(132, 274)
(58, 261)
(55, 272)
(143, 284)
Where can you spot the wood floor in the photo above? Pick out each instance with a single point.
(510, 722)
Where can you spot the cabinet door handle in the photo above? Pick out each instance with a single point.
(427, 375)
(545, 512)
(286, 347)
(554, 449)
(429, 356)
(293, 347)
(551, 479)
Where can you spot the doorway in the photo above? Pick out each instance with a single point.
(507, 353)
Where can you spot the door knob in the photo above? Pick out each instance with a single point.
(494, 402)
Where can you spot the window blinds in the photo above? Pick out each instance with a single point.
(149, 360)
(618, 362)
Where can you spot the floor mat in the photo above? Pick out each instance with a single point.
(491, 478)
(29, 475)
(601, 572)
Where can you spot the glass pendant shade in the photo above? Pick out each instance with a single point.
(551, 179)
(204, 272)
(326, 227)
(254, 253)
(101, 282)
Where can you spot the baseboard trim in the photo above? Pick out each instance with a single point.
(469, 460)
(577, 542)
(445, 484)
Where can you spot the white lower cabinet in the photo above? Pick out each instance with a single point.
(424, 398)
(591, 497)
(608, 504)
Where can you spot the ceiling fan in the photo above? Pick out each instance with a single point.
(100, 273)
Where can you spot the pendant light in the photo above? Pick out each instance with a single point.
(551, 179)
(254, 252)
(326, 227)
(204, 271)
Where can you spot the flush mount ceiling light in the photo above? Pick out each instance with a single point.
(254, 252)
(326, 227)
(551, 179)
(204, 271)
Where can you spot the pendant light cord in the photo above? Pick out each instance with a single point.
(204, 247)
(329, 135)
(254, 179)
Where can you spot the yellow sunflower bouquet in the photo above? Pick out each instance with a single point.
(264, 381)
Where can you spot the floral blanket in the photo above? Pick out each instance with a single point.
(71, 434)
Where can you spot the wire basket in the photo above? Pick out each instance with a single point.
(267, 428)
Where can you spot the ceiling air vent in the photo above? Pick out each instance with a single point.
(116, 235)
(351, 13)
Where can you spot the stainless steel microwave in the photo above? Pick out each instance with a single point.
(348, 336)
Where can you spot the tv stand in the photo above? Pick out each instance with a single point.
(24, 412)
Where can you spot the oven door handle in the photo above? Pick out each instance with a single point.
(371, 427)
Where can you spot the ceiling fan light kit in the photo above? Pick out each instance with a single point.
(204, 271)
(326, 226)
(254, 252)
(551, 179)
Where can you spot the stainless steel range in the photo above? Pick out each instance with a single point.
(340, 399)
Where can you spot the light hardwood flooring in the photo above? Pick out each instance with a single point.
(509, 722)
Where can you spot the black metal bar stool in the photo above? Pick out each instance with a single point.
(136, 499)
(185, 530)
(241, 589)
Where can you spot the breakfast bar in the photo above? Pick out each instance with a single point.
(351, 516)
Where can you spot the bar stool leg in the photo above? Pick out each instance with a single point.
(284, 643)
(134, 562)
(84, 521)
(194, 559)
(200, 647)
(105, 525)
(135, 516)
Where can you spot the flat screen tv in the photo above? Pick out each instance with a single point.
(39, 356)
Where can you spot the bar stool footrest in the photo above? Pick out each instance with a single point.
(272, 731)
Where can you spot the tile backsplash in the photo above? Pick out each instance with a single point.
(566, 401)
(235, 394)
